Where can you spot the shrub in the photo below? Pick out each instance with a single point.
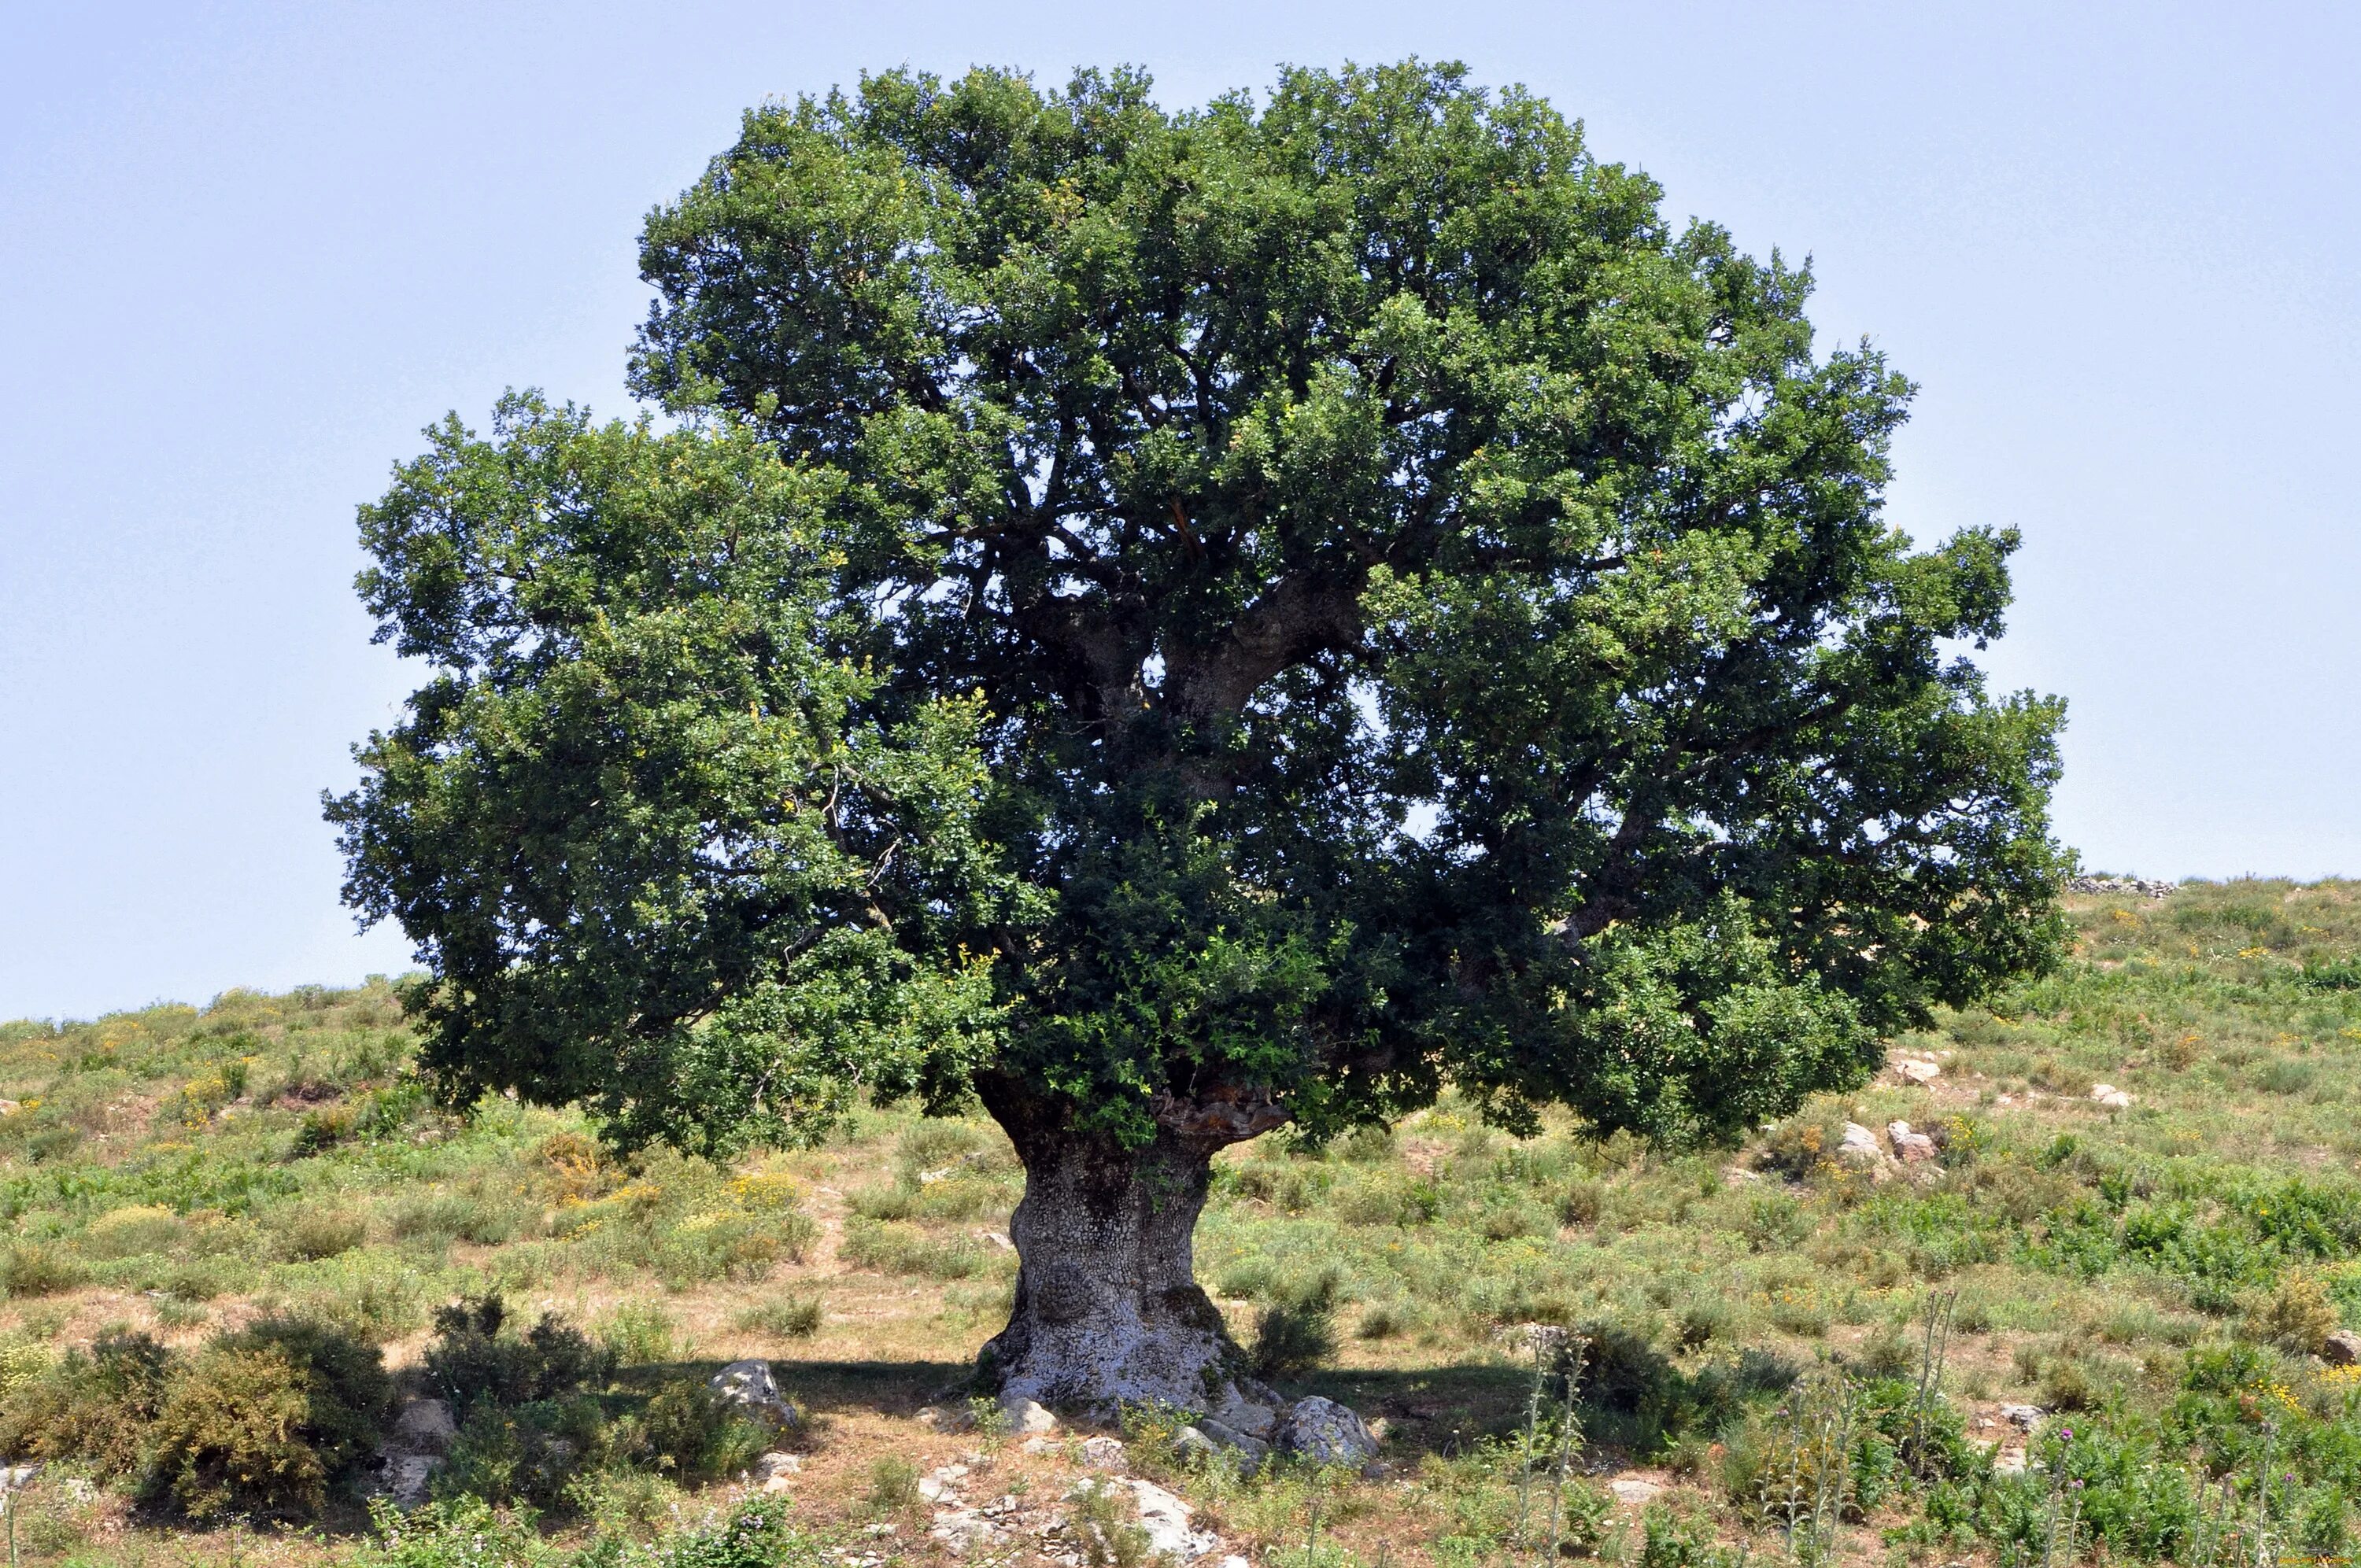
(93, 1407)
(637, 1333)
(894, 1248)
(1297, 1332)
(697, 1435)
(473, 1361)
(1103, 1528)
(530, 1453)
(789, 1316)
(261, 1423)
(131, 1232)
(30, 1268)
(893, 1485)
(2298, 1316)
(319, 1231)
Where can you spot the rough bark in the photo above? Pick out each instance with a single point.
(1108, 1310)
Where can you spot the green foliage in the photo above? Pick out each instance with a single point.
(466, 1533)
(789, 1316)
(476, 1360)
(1297, 1333)
(1306, 598)
(93, 1407)
(696, 1435)
(263, 1422)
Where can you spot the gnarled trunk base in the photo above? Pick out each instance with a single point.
(1108, 1310)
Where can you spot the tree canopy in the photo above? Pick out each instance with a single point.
(1195, 621)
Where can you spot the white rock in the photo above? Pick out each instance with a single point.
(1248, 1416)
(2024, 1418)
(17, 1478)
(1327, 1434)
(1234, 1561)
(1039, 1445)
(750, 1385)
(407, 1477)
(2009, 1461)
(2342, 1348)
(1860, 1146)
(1917, 1070)
(1911, 1148)
(1029, 1418)
(961, 1530)
(775, 1463)
(2108, 1095)
(1105, 1453)
(1165, 1518)
(1632, 1491)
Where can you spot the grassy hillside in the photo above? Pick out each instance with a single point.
(1750, 1328)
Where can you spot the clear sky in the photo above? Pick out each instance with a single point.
(249, 249)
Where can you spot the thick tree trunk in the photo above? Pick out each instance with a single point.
(1108, 1310)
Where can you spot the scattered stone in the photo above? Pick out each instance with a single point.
(1165, 1518)
(1327, 1434)
(2108, 1095)
(930, 1418)
(2024, 1418)
(17, 1478)
(1029, 1418)
(1105, 1453)
(775, 1463)
(1909, 1148)
(1634, 1491)
(750, 1385)
(1234, 1561)
(1860, 1146)
(424, 1426)
(1191, 1442)
(1917, 1070)
(1738, 1175)
(1256, 1417)
(2009, 1461)
(2140, 886)
(9, 1107)
(407, 1478)
(2342, 1348)
(996, 1238)
(78, 1490)
(1039, 1445)
(1251, 1450)
(961, 1530)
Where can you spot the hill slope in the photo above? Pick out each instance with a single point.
(2159, 1275)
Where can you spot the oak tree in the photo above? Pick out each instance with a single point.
(1177, 624)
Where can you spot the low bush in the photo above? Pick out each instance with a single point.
(314, 1233)
(263, 1422)
(1297, 1333)
(894, 1248)
(33, 1268)
(93, 1407)
(789, 1316)
(474, 1361)
(637, 1333)
(694, 1434)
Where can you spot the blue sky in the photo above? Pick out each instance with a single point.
(249, 250)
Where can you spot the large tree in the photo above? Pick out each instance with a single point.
(1175, 624)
